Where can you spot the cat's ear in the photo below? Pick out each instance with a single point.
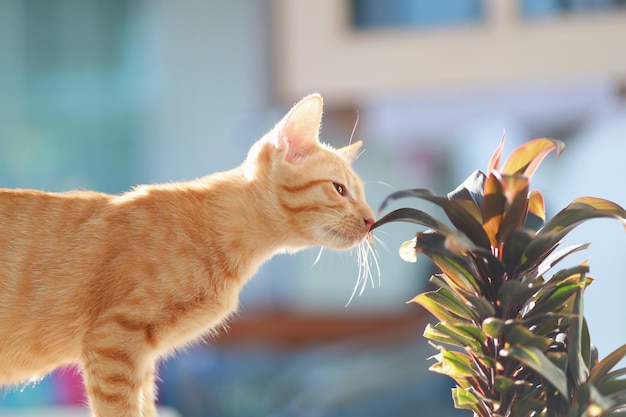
(350, 152)
(296, 135)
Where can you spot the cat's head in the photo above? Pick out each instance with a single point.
(315, 191)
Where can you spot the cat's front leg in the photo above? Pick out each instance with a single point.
(117, 368)
(112, 392)
(148, 390)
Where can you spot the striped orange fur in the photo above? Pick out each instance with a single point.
(114, 282)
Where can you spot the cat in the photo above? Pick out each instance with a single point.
(112, 283)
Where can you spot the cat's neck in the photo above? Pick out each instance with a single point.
(245, 219)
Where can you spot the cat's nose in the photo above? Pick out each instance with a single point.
(369, 222)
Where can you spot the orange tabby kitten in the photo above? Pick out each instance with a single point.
(114, 282)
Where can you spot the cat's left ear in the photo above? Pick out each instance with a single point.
(297, 133)
(350, 152)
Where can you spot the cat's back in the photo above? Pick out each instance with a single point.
(42, 234)
(33, 214)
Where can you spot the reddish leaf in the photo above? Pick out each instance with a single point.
(516, 189)
(606, 207)
(536, 204)
(494, 162)
(526, 158)
(513, 185)
(579, 210)
(494, 202)
(411, 215)
(435, 306)
(603, 367)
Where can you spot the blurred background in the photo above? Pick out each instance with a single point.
(106, 94)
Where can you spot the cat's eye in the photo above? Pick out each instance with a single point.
(341, 189)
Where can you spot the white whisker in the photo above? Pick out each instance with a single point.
(372, 250)
(334, 230)
(385, 184)
(381, 243)
(366, 258)
(319, 256)
(356, 122)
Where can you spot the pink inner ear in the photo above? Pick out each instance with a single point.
(298, 131)
(293, 154)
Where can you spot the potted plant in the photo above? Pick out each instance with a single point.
(511, 329)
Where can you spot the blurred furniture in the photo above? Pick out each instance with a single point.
(297, 330)
(319, 48)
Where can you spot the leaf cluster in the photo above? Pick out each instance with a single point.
(511, 328)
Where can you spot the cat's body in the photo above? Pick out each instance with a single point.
(112, 283)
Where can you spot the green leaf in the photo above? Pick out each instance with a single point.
(613, 375)
(493, 326)
(514, 293)
(448, 300)
(577, 363)
(434, 307)
(503, 384)
(556, 257)
(481, 305)
(560, 359)
(437, 335)
(445, 306)
(570, 274)
(458, 271)
(553, 300)
(538, 249)
(612, 388)
(527, 405)
(545, 323)
(468, 331)
(513, 248)
(525, 159)
(464, 399)
(537, 361)
(472, 331)
(490, 267)
(589, 398)
(554, 295)
(464, 335)
(519, 335)
(586, 348)
(454, 364)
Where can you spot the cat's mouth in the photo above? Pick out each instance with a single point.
(344, 238)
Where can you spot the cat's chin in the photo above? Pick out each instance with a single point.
(341, 241)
